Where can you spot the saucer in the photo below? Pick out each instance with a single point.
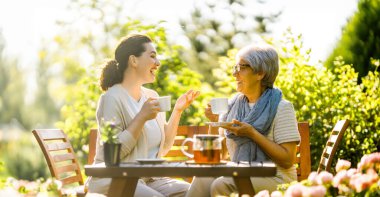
(150, 161)
(192, 162)
(219, 124)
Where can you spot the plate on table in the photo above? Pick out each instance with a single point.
(219, 124)
(200, 163)
(151, 161)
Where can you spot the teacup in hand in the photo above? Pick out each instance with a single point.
(219, 105)
(164, 103)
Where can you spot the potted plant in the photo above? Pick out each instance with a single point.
(111, 144)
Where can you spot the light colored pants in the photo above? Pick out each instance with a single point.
(161, 186)
(156, 186)
(225, 186)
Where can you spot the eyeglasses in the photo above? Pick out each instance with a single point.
(238, 67)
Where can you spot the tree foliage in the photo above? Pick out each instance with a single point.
(46, 100)
(360, 40)
(36, 108)
(322, 97)
(12, 89)
(214, 27)
(23, 159)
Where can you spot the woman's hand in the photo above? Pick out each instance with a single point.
(240, 128)
(208, 113)
(150, 109)
(185, 100)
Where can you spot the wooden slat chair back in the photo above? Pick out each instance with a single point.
(303, 152)
(332, 145)
(60, 157)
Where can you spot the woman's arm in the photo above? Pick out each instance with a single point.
(283, 154)
(172, 125)
(148, 111)
(109, 110)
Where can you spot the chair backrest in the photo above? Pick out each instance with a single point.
(183, 132)
(303, 152)
(92, 146)
(59, 155)
(332, 145)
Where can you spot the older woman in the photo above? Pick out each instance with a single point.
(263, 125)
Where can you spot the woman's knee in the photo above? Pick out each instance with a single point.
(222, 186)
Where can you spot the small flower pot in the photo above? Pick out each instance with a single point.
(112, 154)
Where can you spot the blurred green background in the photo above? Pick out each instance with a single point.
(65, 76)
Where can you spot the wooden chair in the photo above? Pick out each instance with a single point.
(61, 159)
(332, 145)
(92, 146)
(303, 152)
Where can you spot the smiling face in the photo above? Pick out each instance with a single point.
(247, 80)
(146, 64)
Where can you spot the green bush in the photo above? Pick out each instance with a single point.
(24, 159)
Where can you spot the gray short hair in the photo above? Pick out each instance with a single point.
(261, 59)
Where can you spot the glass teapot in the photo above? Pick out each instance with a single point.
(207, 148)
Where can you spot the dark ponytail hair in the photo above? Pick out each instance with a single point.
(113, 70)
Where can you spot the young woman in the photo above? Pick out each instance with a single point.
(144, 132)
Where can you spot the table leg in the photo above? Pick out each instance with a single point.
(244, 186)
(123, 187)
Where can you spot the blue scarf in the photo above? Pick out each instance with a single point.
(260, 117)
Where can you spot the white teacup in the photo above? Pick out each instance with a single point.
(219, 105)
(164, 103)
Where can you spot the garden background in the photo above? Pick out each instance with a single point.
(343, 86)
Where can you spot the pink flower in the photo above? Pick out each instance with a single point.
(344, 189)
(342, 165)
(313, 178)
(373, 177)
(316, 191)
(263, 193)
(340, 178)
(295, 190)
(351, 172)
(276, 194)
(349, 182)
(324, 177)
(369, 161)
(360, 182)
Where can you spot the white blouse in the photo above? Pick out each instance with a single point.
(151, 127)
